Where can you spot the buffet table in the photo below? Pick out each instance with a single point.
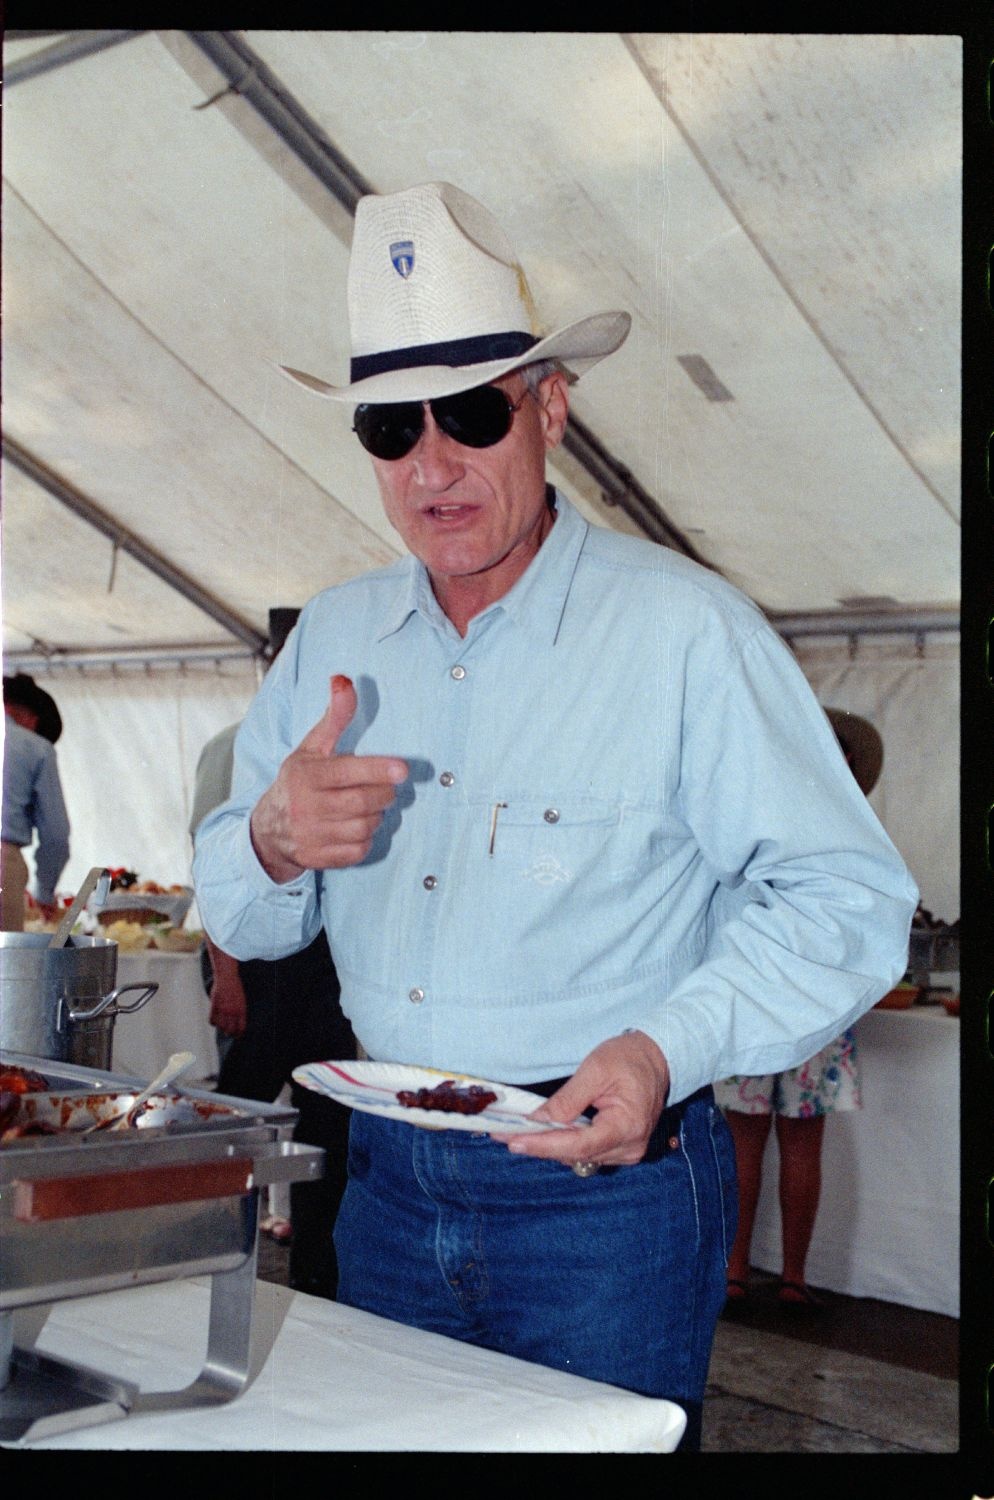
(327, 1377)
(174, 1020)
(888, 1221)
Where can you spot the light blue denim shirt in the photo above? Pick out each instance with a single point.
(625, 809)
(33, 802)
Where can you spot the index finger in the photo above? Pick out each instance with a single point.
(365, 770)
(568, 1144)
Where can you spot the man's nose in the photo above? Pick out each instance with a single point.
(437, 458)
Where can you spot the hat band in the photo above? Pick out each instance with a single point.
(473, 351)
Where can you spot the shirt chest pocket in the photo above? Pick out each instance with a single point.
(555, 840)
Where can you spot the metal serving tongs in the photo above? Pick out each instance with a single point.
(97, 878)
(177, 1064)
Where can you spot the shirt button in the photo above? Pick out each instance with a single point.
(551, 815)
(458, 673)
(416, 996)
(447, 778)
(429, 882)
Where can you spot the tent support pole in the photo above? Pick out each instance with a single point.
(917, 622)
(78, 44)
(126, 540)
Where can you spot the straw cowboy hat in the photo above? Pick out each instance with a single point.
(861, 745)
(438, 303)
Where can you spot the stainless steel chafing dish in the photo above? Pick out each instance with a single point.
(177, 1194)
(932, 950)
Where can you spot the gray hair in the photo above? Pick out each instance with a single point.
(541, 369)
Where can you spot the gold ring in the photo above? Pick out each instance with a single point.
(585, 1168)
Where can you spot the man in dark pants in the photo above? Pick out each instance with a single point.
(293, 1017)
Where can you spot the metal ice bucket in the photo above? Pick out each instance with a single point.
(62, 1003)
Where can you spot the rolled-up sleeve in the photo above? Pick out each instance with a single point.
(245, 912)
(813, 910)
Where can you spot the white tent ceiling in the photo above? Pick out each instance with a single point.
(786, 208)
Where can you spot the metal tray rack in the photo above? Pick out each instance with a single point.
(932, 951)
(86, 1213)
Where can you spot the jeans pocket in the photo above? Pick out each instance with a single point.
(723, 1149)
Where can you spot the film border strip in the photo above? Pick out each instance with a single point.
(977, 778)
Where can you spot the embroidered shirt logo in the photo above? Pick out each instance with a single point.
(546, 871)
(402, 255)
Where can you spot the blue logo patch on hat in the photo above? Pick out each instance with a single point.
(402, 255)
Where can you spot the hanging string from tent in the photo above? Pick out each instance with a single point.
(114, 549)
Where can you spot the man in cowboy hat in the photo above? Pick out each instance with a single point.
(33, 804)
(573, 821)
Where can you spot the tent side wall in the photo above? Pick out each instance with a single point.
(128, 758)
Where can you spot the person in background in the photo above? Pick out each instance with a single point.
(212, 785)
(799, 1099)
(271, 1018)
(32, 800)
(572, 820)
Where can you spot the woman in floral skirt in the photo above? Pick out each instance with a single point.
(799, 1100)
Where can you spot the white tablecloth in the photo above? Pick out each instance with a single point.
(888, 1221)
(331, 1378)
(174, 1020)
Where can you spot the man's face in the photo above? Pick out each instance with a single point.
(477, 513)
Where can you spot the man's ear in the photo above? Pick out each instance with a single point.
(553, 405)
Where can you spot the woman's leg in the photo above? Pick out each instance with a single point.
(749, 1132)
(800, 1144)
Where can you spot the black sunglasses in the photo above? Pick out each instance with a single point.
(479, 418)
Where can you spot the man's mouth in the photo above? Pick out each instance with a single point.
(448, 512)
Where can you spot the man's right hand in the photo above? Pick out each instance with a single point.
(323, 809)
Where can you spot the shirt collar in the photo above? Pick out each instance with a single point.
(538, 598)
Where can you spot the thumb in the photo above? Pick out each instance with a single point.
(324, 737)
(563, 1107)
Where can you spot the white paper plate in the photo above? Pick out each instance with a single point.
(373, 1087)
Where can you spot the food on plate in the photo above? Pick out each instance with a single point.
(28, 1115)
(15, 1080)
(129, 936)
(902, 997)
(149, 903)
(148, 887)
(15, 1132)
(178, 939)
(449, 1096)
(128, 1119)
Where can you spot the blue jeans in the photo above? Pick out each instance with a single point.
(618, 1277)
